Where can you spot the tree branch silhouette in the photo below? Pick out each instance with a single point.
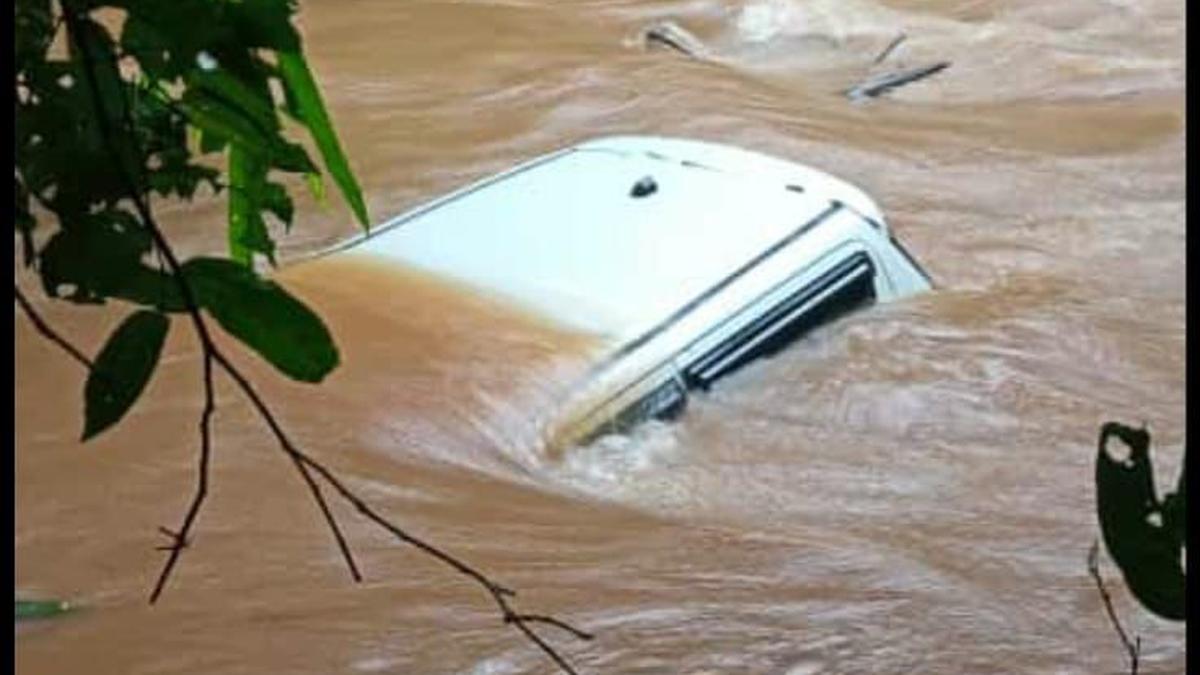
(130, 182)
(1134, 647)
(47, 332)
(500, 594)
(180, 536)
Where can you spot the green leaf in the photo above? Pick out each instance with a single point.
(211, 142)
(93, 254)
(61, 153)
(122, 370)
(1148, 552)
(275, 199)
(41, 609)
(214, 116)
(34, 24)
(217, 116)
(166, 36)
(299, 82)
(164, 137)
(257, 106)
(316, 187)
(141, 38)
(264, 317)
(95, 55)
(24, 222)
(265, 23)
(151, 288)
(288, 156)
(247, 232)
(182, 179)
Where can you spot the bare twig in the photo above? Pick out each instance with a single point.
(47, 332)
(500, 594)
(181, 536)
(890, 48)
(304, 464)
(1133, 647)
(538, 618)
(296, 457)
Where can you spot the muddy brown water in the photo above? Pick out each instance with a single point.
(907, 490)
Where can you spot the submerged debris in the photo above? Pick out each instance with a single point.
(877, 85)
(673, 36)
(881, 84)
(890, 48)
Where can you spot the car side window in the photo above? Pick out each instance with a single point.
(848, 285)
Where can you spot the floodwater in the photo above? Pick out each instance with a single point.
(907, 490)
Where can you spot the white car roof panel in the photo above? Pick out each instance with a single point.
(565, 237)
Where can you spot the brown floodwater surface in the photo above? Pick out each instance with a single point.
(908, 489)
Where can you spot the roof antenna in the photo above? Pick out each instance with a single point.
(644, 187)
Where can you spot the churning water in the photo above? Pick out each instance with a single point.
(906, 490)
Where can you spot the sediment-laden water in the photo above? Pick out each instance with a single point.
(907, 490)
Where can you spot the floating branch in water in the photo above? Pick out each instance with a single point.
(877, 85)
(673, 36)
(890, 48)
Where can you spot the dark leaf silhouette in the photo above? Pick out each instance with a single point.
(264, 317)
(70, 266)
(1144, 536)
(122, 370)
(217, 116)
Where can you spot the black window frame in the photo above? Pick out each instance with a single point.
(850, 284)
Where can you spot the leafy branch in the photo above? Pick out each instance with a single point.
(77, 117)
(1145, 536)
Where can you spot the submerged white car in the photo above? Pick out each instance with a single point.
(690, 258)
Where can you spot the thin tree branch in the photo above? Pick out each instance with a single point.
(181, 536)
(1133, 647)
(303, 462)
(500, 594)
(297, 460)
(47, 332)
(539, 618)
(535, 638)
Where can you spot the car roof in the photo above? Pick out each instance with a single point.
(563, 235)
(733, 160)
